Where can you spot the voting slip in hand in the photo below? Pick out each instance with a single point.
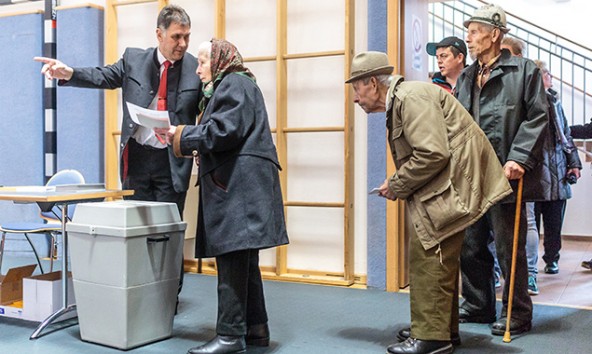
(375, 191)
(148, 118)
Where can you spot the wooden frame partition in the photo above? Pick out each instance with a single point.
(112, 132)
(282, 132)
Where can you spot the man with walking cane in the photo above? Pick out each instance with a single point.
(449, 176)
(506, 97)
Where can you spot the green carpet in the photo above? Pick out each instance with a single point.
(315, 319)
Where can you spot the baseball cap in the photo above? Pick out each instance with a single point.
(447, 42)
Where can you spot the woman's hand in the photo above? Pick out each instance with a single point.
(169, 133)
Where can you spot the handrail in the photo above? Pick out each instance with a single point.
(569, 62)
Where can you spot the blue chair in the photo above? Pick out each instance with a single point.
(51, 220)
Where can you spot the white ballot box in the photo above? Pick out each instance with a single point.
(126, 258)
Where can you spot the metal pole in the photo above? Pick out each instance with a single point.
(49, 94)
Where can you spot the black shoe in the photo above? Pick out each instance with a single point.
(499, 327)
(552, 268)
(587, 264)
(221, 345)
(405, 333)
(258, 335)
(418, 346)
(465, 317)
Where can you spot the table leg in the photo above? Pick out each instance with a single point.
(65, 308)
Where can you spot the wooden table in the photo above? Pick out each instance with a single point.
(47, 198)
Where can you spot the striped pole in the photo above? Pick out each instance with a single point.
(49, 93)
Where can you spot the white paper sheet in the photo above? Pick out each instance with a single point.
(147, 117)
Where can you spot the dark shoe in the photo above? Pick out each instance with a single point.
(587, 264)
(499, 327)
(221, 345)
(552, 268)
(465, 317)
(418, 346)
(405, 333)
(258, 335)
(533, 288)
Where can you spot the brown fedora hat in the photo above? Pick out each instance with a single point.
(369, 64)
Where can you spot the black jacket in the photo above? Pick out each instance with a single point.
(137, 74)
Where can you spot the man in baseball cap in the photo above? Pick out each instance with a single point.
(451, 56)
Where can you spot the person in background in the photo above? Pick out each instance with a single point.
(563, 167)
(440, 153)
(514, 45)
(451, 56)
(582, 131)
(506, 96)
(240, 206)
(146, 164)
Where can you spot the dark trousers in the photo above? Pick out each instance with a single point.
(552, 213)
(241, 301)
(149, 175)
(476, 263)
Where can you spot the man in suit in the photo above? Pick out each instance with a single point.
(147, 165)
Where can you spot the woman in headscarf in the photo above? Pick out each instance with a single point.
(240, 206)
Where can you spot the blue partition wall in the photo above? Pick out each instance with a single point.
(21, 110)
(80, 112)
(377, 38)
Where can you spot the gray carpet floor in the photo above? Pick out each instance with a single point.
(314, 319)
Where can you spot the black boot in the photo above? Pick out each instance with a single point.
(405, 333)
(258, 335)
(418, 346)
(221, 345)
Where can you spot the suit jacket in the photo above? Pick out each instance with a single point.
(137, 73)
(447, 170)
(240, 200)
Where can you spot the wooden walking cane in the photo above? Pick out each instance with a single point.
(507, 338)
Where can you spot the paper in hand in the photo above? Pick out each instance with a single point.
(148, 118)
(375, 191)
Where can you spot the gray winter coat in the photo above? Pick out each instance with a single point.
(558, 155)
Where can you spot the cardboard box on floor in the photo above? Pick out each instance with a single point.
(42, 296)
(11, 290)
(11, 284)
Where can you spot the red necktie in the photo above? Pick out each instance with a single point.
(162, 88)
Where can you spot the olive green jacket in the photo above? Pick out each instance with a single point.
(447, 170)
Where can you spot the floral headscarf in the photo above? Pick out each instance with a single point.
(225, 59)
